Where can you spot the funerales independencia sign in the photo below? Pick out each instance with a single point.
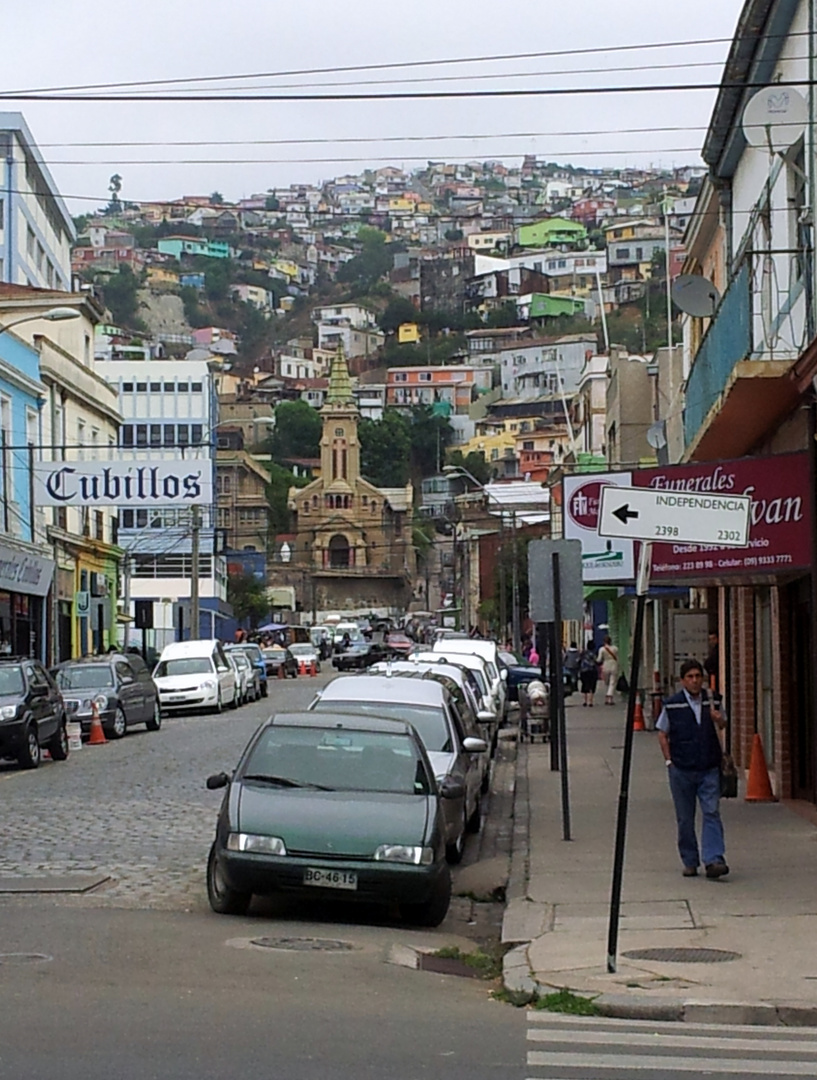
(123, 483)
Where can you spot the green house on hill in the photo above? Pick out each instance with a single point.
(551, 232)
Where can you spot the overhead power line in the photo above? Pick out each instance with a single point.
(397, 65)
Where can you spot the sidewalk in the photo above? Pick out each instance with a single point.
(559, 892)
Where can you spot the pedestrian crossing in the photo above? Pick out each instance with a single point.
(594, 1048)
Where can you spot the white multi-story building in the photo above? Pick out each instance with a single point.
(36, 230)
(169, 413)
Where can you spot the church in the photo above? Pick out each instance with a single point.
(353, 541)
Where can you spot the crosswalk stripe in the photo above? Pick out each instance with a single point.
(667, 1063)
(669, 1026)
(701, 1042)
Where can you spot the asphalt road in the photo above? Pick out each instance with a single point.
(134, 977)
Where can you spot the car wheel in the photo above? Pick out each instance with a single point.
(434, 910)
(155, 721)
(474, 822)
(30, 755)
(119, 726)
(58, 745)
(223, 899)
(219, 707)
(236, 700)
(455, 850)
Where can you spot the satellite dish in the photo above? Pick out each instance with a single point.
(694, 295)
(657, 435)
(775, 118)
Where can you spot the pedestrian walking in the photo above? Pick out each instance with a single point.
(570, 663)
(608, 658)
(688, 735)
(588, 673)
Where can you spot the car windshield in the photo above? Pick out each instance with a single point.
(11, 679)
(84, 677)
(302, 650)
(252, 652)
(429, 721)
(275, 653)
(337, 759)
(184, 665)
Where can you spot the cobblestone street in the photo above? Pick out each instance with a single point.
(134, 814)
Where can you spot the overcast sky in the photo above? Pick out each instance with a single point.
(61, 45)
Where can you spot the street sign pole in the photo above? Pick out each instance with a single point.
(557, 699)
(555, 719)
(626, 761)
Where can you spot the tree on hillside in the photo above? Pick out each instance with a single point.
(374, 260)
(281, 480)
(115, 186)
(385, 446)
(398, 311)
(120, 292)
(297, 432)
(474, 462)
(216, 199)
(248, 596)
(430, 434)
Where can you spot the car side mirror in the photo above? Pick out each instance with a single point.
(217, 780)
(474, 746)
(486, 717)
(39, 691)
(504, 674)
(451, 788)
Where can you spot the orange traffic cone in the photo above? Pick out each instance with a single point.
(313, 668)
(302, 667)
(638, 717)
(282, 673)
(758, 786)
(97, 734)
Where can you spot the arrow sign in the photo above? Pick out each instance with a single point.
(624, 513)
(713, 519)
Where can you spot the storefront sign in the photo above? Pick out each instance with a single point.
(779, 521)
(24, 573)
(602, 559)
(123, 483)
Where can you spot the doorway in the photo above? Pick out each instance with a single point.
(801, 674)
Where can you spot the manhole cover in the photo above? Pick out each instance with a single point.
(303, 944)
(17, 959)
(684, 956)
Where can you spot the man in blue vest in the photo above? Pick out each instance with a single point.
(692, 751)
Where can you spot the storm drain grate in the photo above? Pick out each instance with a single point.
(684, 956)
(17, 959)
(303, 944)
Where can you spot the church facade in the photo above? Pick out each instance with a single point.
(353, 541)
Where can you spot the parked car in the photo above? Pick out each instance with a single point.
(452, 748)
(486, 651)
(120, 685)
(306, 654)
(332, 806)
(479, 673)
(276, 656)
(246, 676)
(399, 643)
(32, 713)
(256, 658)
(195, 675)
(518, 674)
(359, 655)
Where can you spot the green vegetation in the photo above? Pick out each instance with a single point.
(488, 966)
(121, 296)
(474, 462)
(374, 260)
(297, 432)
(403, 445)
(281, 480)
(248, 596)
(565, 1001)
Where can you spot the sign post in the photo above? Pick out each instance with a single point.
(670, 516)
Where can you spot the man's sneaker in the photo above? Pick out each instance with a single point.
(716, 869)
(690, 871)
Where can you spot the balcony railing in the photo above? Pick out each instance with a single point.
(727, 341)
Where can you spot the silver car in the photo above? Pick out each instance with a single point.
(453, 746)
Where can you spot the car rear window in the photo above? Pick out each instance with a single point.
(11, 679)
(429, 722)
(84, 677)
(339, 759)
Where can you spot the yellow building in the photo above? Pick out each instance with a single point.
(408, 333)
(159, 275)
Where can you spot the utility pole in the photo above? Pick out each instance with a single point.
(126, 576)
(194, 575)
(517, 636)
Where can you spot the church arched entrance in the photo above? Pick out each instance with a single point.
(338, 552)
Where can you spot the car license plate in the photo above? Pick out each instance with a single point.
(177, 697)
(332, 879)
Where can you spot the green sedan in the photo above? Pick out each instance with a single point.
(333, 805)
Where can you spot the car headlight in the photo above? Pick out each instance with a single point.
(209, 685)
(405, 853)
(266, 845)
(8, 712)
(101, 702)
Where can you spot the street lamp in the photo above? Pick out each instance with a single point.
(460, 470)
(55, 314)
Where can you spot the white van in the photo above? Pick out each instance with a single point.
(195, 675)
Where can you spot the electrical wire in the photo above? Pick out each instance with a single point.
(390, 66)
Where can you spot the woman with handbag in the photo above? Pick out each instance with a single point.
(608, 658)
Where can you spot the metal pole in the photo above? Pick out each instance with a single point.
(31, 514)
(5, 467)
(517, 637)
(555, 719)
(127, 568)
(195, 629)
(667, 276)
(503, 584)
(557, 698)
(626, 763)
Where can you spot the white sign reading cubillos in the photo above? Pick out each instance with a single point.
(123, 483)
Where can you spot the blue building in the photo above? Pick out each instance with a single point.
(26, 563)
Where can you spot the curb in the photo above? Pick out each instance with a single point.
(523, 920)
